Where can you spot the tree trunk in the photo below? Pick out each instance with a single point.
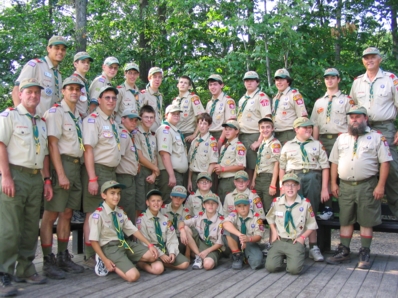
(81, 25)
(145, 62)
(394, 29)
(266, 47)
(337, 46)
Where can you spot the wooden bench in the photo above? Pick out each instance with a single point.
(325, 227)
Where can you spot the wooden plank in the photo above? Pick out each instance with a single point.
(389, 283)
(259, 287)
(373, 279)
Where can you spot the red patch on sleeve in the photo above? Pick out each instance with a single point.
(254, 191)
(192, 193)
(143, 91)
(201, 213)
(274, 200)
(307, 200)
(167, 127)
(186, 210)
(100, 208)
(221, 217)
(141, 215)
(94, 115)
(119, 87)
(43, 119)
(256, 214)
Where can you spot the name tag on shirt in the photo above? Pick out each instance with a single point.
(279, 213)
(47, 74)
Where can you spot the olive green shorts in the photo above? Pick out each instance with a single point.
(214, 255)
(284, 136)
(180, 258)
(123, 258)
(128, 194)
(251, 156)
(263, 181)
(142, 187)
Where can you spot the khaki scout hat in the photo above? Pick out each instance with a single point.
(57, 40)
(172, 108)
(241, 175)
(371, 51)
(241, 198)
(82, 56)
(357, 110)
(106, 88)
(282, 73)
(331, 72)
(132, 65)
(215, 77)
(72, 80)
(251, 75)
(130, 114)
(210, 197)
(291, 177)
(154, 70)
(204, 175)
(232, 123)
(111, 184)
(111, 60)
(179, 191)
(29, 83)
(302, 122)
(153, 192)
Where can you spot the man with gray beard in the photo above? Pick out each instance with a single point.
(356, 157)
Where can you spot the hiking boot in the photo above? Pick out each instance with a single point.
(326, 214)
(342, 254)
(6, 288)
(237, 261)
(100, 268)
(65, 263)
(35, 279)
(315, 254)
(89, 262)
(50, 268)
(198, 264)
(364, 258)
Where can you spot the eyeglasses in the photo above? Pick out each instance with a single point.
(290, 185)
(204, 182)
(109, 98)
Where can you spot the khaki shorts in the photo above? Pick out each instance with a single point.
(214, 255)
(121, 257)
(180, 258)
(251, 156)
(66, 198)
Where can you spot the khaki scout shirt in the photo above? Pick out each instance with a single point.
(42, 70)
(234, 155)
(338, 122)
(383, 105)
(96, 86)
(191, 107)
(149, 98)
(224, 110)
(129, 160)
(146, 225)
(82, 104)
(302, 213)
(141, 144)
(169, 140)
(16, 134)
(291, 106)
(102, 228)
(255, 202)
(98, 133)
(254, 226)
(215, 228)
(127, 100)
(182, 213)
(61, 125)
(269, 155)
(195, 203)
(258, 106)
(206, 153)
(291, 157)
(372, 149)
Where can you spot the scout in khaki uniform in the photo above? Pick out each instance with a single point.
(221, 107)
(173, 160)
(109, 71)
(287, 106)
(108, 224)
(241, 182)
(377, 91)
(245, 229)
(307, 158)
(81, 62)
(205, 237)
(358, 157)
(101, 157)
(129, 97)
(232, 159)
(129, 164)
(23, 154)
(292, 220)
(152, 96)
(203, 154)
(253, 106)
(46, 71)
(159, 230)
(145, 142)
(64, 127)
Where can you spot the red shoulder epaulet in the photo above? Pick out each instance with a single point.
(256, 214)
(186, 209)
(378, 131)
(262, 94)
(141, 215)
(152, 133)
(355, 78)
(239, 142)
(212, 138)
(201, 213)
(11, 109)
(56, 105)
(43, 119)
(167, 127)
(274, 200)
(38, 60)
(99, 209)
(228, 96)
(221, 217)
(94, 115)
(143, 91)
(236, 211)
(294, 91)
(120, 86)
(307, 200)
(192, 193)
(254, 191)
(164, 206)
(349, 96)
(123, 130)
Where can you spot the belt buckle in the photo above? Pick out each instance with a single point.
(75, 160)
(305, 171)
(329, 136)
(35, 172)
(354, 183)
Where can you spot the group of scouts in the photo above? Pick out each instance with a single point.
(199, 182)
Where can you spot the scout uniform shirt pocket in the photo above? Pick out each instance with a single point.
(383, 95)
(23, 134)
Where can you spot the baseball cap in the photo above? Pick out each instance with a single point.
(111, 184)
(106, 88)
(204, 175)
(57, 40)
(251, 75)
(29, 83)
(232, 123)
(302, 122)
(130, 114)
(179, 191)
(153, 192)
(357, 110)
(331, 72)
(154, 70)
(241, 175)
(282, 73)
(290, 177)
(265, 119)
(72, 80)
(215, 77)
(131, 65)
(111, 60)
(210, 197)
(82, 56)
(371, 51)
(241, 198)
(172, 108)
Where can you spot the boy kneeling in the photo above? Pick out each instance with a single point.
(291, 220)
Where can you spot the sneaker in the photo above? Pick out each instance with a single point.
(364, 258)
(50, 268)
(89, 262)
(198, 264)
(315, 253)
(237, 262)
(326, 214)
(266, 249)
(78, 217)
(6, 288)
(342, 254)
(65, 263)
(100, 268)
(34, 279)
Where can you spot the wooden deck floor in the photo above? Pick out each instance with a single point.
(317, 280)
